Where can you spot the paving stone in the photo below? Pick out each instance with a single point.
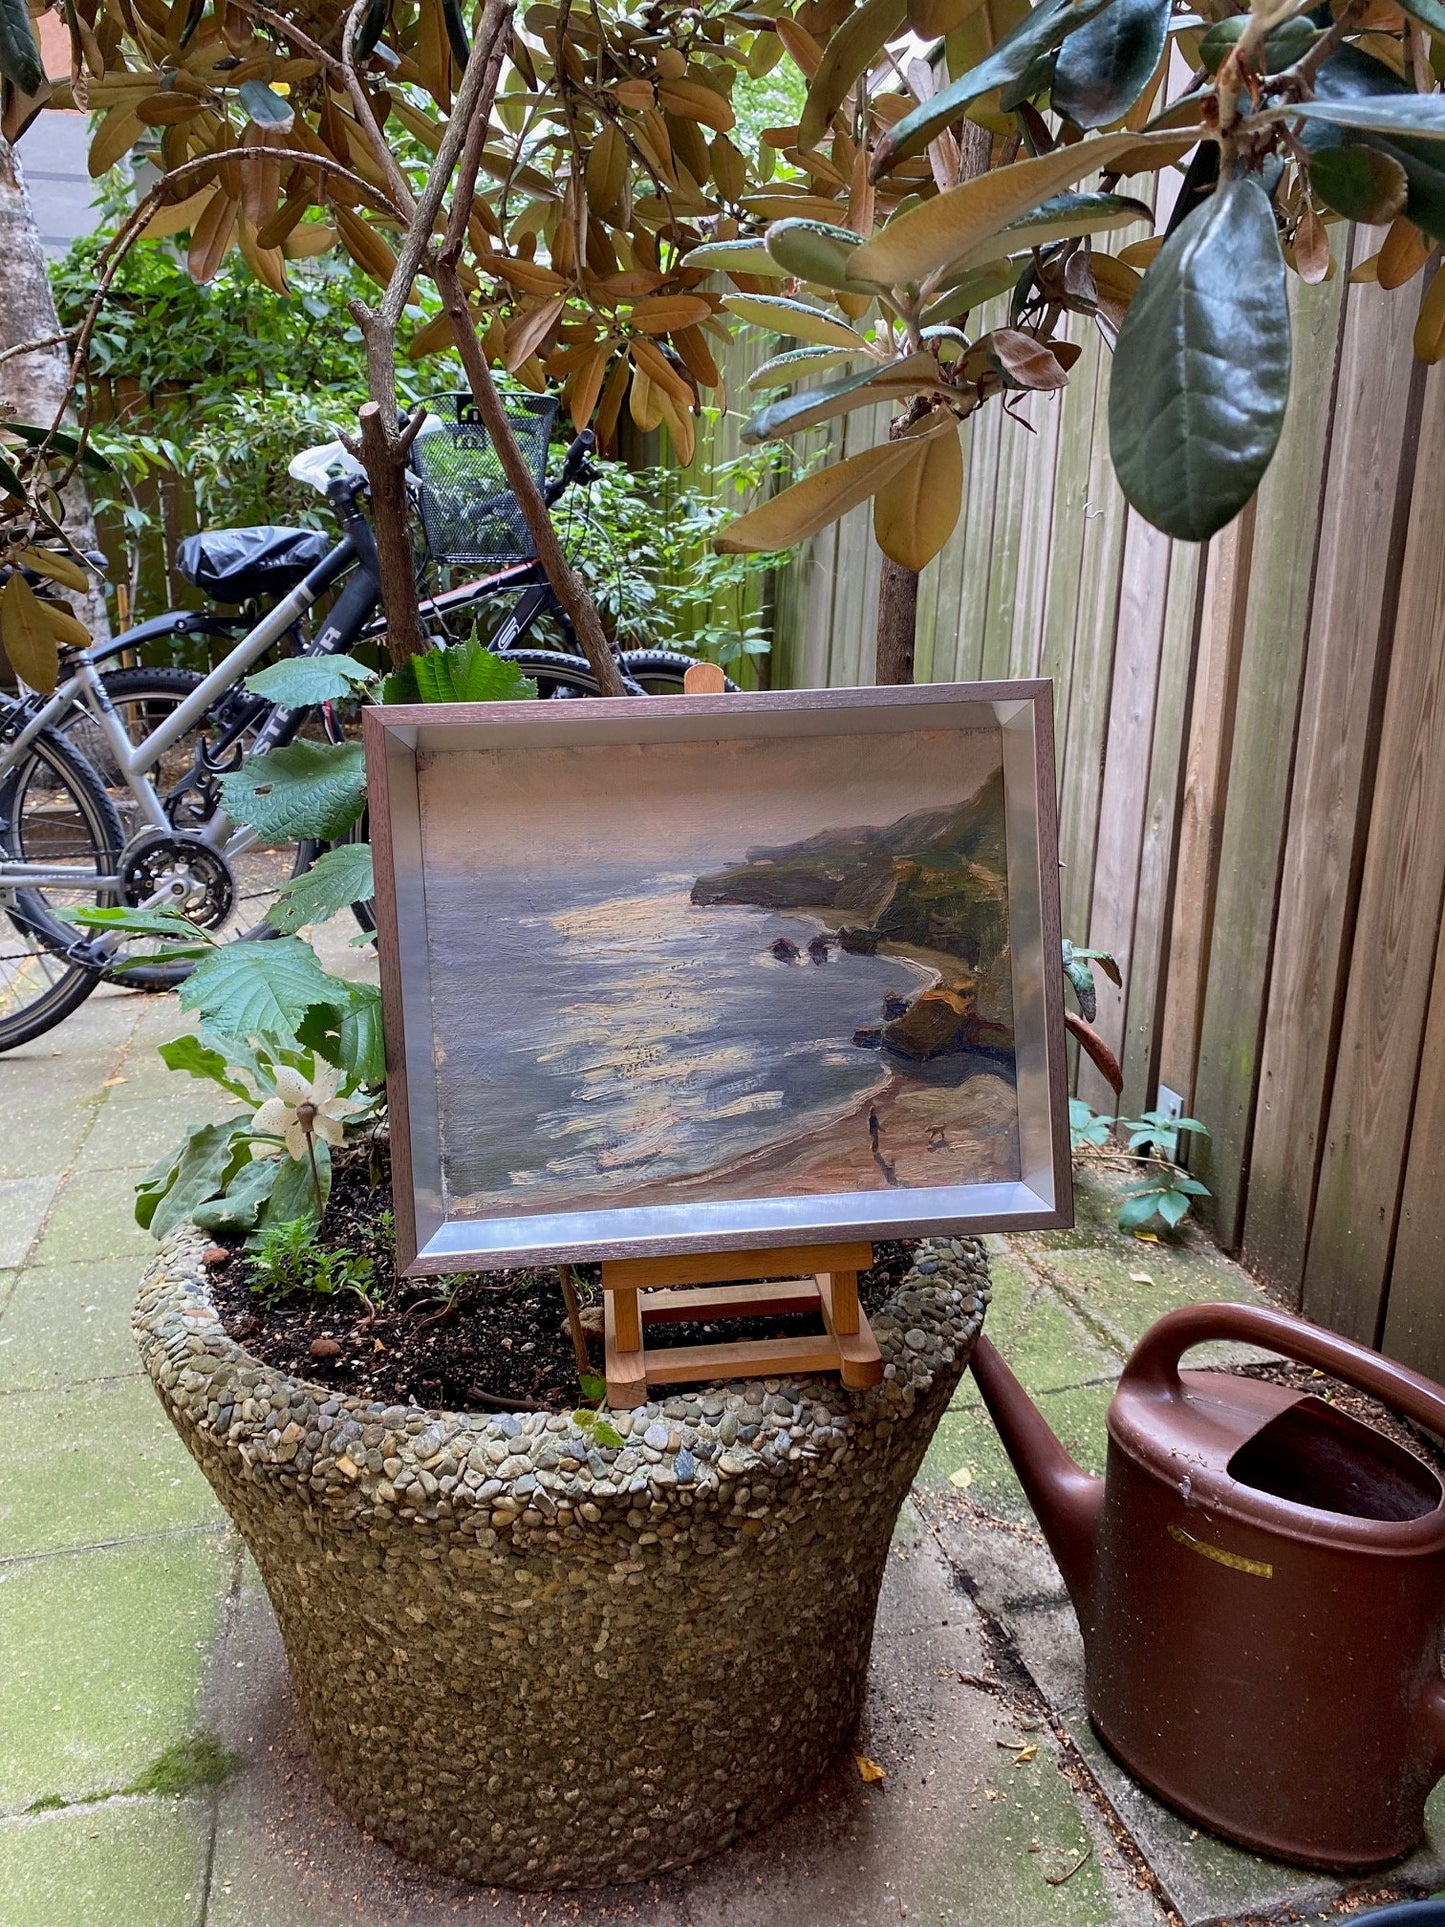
(968, 1454)
(63, 1324)
(1124, 1286)
(102, 1655)
(1209, 1882)
(55, 1127)
(129, 1135)
(87, 1467)
(1047, 1347)
(23, 1205)
(128, 1863)
(95, 1218)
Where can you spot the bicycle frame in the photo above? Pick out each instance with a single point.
(135, 761)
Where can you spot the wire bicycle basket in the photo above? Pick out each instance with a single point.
(468, 511)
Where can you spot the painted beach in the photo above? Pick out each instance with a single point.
(822, 1014)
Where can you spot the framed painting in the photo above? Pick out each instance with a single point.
(714, 973)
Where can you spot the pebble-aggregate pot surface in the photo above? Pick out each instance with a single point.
(131, 1622)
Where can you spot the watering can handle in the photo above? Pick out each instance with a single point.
(1155, 1363)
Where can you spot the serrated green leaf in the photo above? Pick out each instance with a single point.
(1045, 27)
(467, 672)
(133, 923)
(1201, 371)
(265, 106)
(606, 1433)
(338, 878)
(259, 989)
(202, 1060)
(305, 789)
(347, 1032)
(300, 682)
(591, 1385)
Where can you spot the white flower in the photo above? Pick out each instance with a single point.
(302, 1107)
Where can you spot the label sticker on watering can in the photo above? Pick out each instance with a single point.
(1259, 1568)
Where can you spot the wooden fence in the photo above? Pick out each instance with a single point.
(1251, 779)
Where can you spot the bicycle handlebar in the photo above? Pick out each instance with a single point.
(575, 468)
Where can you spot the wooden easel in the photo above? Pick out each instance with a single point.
(639, 1292)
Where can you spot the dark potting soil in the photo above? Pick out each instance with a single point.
(483, 1341)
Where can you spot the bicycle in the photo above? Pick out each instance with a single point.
(62, 830)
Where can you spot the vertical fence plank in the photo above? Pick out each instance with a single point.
(1256, 794)
(1035, 532)
(1149, 938)
(1362, 530)
(1414, 1326)
(1395, 936)
(1143, 600)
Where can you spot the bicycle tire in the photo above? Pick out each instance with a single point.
(30, 912)
(165, 686)
(668, 666)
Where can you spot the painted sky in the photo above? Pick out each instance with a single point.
(680, 804)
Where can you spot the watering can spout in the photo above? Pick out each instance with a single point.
(1067, 1501)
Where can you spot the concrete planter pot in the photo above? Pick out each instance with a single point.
(535, 1664)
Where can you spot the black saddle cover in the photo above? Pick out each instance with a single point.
(243, 565)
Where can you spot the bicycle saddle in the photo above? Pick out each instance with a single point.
(243, 565)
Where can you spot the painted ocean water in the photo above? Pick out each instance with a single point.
(627, 1036)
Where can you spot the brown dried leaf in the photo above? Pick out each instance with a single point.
(693, 100)
(1430, 328)
(28, 639)
(1404, 252)
(528, 330)
(915, 511)
(1311, 247)
(660, 314)
(212, 235)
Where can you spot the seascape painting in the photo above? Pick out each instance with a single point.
(770, 967)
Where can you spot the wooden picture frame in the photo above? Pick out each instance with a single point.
(477, 809)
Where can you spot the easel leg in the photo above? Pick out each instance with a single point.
(622, 1342)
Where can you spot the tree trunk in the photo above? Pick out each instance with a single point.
(897, 623)
(36, 385)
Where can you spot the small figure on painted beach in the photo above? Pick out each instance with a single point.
(873, 1128)
(937, 1138)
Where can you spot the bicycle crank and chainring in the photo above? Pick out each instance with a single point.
(197, 879)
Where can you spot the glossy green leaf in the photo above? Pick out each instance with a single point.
(298, 682)
(338, 878)
(265, 106)
(1283, 46)
(1360, 183)
(1045, 27)
(259, 989)
(1350, 76)
(1201, 369)
(1104, 67)
(293, 1194)
(1417, 116)
(972, 289)
(810, 406)
(456, 28)
(304, 789)
(20, 61)
(1429, 13)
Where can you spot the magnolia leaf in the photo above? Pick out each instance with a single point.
(741, 257)
(299, 682)
(1042, 29)
(28, 638)
(338, 878)
(1059, 219)
(1359, 183)
(1201, 371)
(20, 61)
(795, 318)
(1104, 67)
(1350, 78)
(1430, 328)
(813, 405)
(259, 989)
(930, 234)
(1420, 116)
(1429, 13)
(810, 505)
(1402, 255)
(851, 49)
(782, 370)
(1311, 247)
(59, 568)
(916, 510)
(304, 789)
(973, 289)
(816, 251)
(1022, 360)
(932, 19)
(265, 106)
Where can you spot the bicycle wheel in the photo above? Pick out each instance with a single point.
(53, 809)
(660, 672)
(229, 907)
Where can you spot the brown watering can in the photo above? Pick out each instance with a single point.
(1260, 1582)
